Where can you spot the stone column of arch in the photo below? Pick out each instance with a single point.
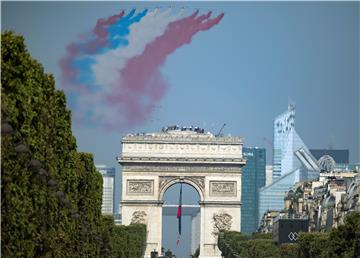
(155, 161)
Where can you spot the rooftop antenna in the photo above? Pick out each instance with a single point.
(218, 134)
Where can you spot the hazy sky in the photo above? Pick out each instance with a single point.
(241, 72)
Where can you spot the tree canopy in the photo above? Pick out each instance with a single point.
(51, 193)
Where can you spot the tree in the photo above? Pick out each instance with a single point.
(235, 244)
(345, 240)
(259, 248)
(313, 245)
(51, 194)
(289, 250)
(41, 168)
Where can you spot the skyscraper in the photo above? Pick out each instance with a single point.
(293, 163)
(253, 178)
(108, 175)
(283, 125)
(271, 197)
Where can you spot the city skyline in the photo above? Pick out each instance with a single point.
(273, 67)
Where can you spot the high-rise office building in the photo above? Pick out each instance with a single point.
(108, 175)
(293, 162)
(283, 125)
(271, 197)
(253, 178)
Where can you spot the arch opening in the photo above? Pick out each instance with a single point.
(189, 240)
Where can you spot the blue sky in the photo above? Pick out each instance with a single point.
(242, 72)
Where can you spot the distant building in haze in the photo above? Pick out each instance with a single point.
(108, 175)
(117, 195)
(283, 125)
(293, 163)
(253, 178)
(195, 232)
(339, 156)
(269, 174)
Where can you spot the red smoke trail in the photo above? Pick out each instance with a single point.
(102, 24)
(93, 42)
(142, 84)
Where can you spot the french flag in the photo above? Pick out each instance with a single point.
(179, 215)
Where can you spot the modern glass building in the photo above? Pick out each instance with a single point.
(283, 125)
(108, 197)
(271, 197)
(292, 163)
(253, 178)
(301, 166)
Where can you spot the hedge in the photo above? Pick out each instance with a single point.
(128, 241)
(235, 244)
(341, 242)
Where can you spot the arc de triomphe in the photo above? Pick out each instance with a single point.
(153, 162)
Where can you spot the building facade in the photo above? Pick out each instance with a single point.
(293, 163)
(283, 125)
(271, 197)
(324, 203)
(108, 197)
(153, 162)
(253, 178)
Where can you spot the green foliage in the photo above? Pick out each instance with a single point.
(197, 253)
(313, 245)
(50, 194)
(121, 241)
(257, 235)
(34, 220)
(345, 240)
(289, 250)
(128, 241)
(235, 244)
(342, 242)
(259, 248)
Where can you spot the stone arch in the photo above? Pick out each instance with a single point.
(197, 183)
(153, 162)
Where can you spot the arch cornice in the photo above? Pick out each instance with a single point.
(198, 182)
